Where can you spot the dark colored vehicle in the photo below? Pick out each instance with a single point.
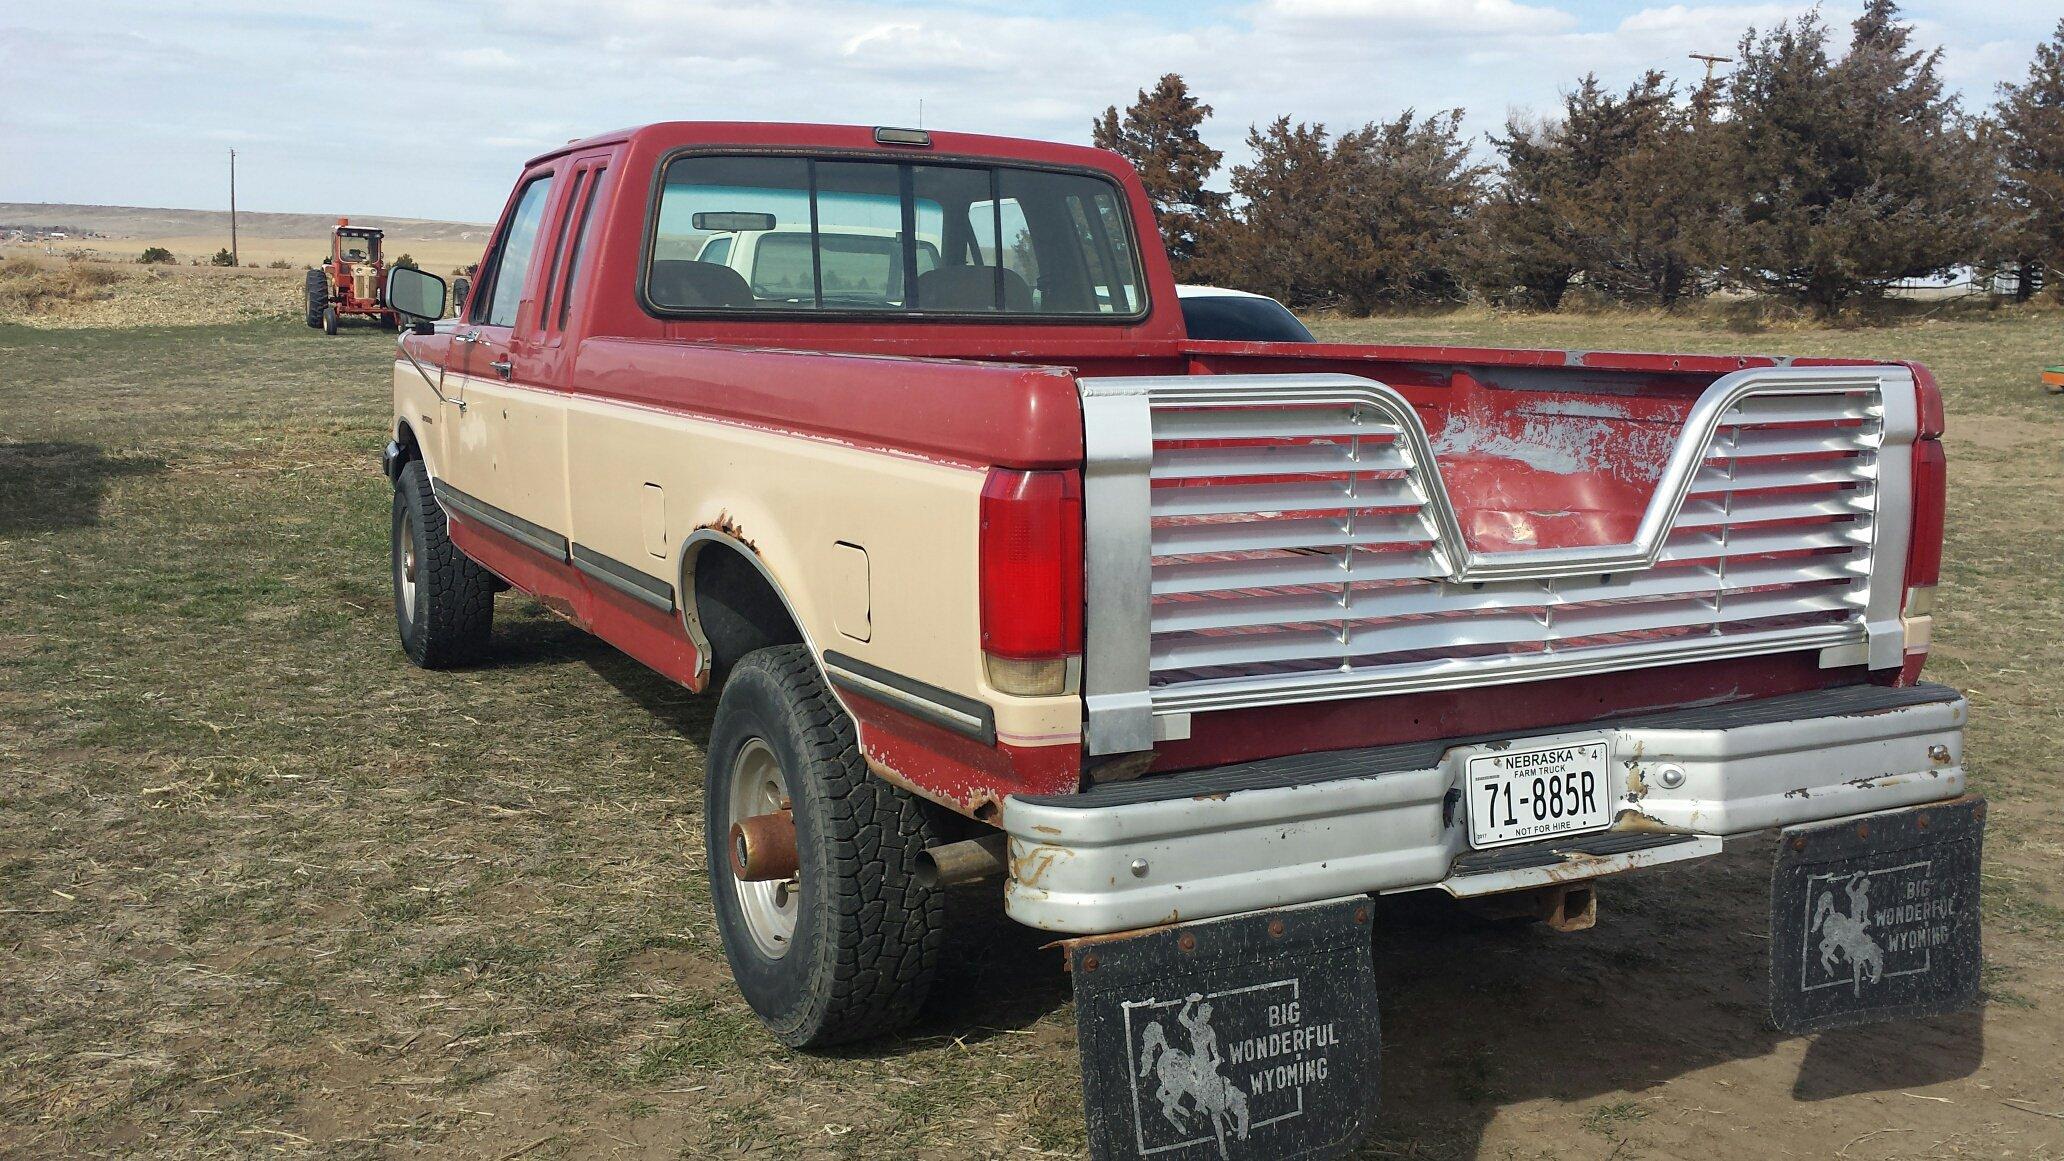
(1237, 316)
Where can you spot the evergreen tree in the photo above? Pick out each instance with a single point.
(1158, 134)
(1378, 217)
(1848, 176)
(2029, 136)
(1620, 191)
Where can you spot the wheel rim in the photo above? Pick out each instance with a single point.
(758, 786)
(405, 571)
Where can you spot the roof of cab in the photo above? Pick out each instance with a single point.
(667, 135)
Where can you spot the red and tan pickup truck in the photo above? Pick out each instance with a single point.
(1194, 644)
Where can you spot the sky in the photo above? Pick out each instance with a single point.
(428, 109)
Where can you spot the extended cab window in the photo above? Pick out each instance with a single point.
(514, 252)
(779, 234)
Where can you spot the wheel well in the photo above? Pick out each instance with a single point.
(734, 607)
(405, 440)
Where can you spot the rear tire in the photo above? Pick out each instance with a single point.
(443, 602)
(329, 320)
(318, 294)
(855, 952)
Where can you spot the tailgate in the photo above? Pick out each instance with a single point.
(1256, 540)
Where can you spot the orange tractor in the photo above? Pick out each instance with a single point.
(350, 284)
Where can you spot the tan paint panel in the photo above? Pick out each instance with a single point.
(849, 592)
(793, 499)
(652, 517)
(509, 446)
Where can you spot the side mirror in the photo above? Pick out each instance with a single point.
(415, 293)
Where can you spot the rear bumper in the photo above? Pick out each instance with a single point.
(1318, 826)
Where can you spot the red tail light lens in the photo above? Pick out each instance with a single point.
(1031, 563)
(1930, 484)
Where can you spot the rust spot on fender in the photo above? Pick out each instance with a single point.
(977, 803)
(730, 527)
(1634, 820)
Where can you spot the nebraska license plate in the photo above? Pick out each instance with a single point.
(1517, 796)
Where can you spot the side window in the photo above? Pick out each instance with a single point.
(514, 252)
(559, 237)
(583, 241)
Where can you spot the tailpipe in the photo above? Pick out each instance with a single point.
(963, 862)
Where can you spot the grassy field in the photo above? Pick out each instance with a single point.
(264, 888)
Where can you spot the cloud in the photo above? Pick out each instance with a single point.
(138, 115)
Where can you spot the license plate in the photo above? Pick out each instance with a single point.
(1520, 795)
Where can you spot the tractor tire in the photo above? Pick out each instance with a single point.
(847, 949)
(329, 320)
(443, 602)
(318, 293)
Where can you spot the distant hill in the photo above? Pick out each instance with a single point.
(152, 222)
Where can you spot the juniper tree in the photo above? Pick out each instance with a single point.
(1849, 175)
(1377, 217)
(1158, 134)
(2029, 137)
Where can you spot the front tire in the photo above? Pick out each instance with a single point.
(329, 320)
(443, 602)
(846, 950)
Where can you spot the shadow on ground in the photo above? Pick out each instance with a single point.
(48, 486)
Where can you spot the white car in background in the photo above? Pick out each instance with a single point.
(1222, 314)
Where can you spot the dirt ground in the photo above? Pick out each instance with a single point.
(265, 889)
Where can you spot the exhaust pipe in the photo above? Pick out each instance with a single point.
(963, 862)
(763, 848)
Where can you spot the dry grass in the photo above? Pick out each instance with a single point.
(30, 288)
(264, 888)
(71, 293)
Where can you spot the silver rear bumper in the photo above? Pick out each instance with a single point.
(1318, 826)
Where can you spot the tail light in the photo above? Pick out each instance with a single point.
(1923, 554)
(1031, 576)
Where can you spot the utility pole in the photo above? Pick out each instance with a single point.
(232, 210)
(1711, 60)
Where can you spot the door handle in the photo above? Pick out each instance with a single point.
(502, 367)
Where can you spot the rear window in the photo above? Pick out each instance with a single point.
(775, 235)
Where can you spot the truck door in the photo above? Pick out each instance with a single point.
(510, 446)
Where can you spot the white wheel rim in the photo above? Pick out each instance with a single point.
(758, 786)
(405, 571)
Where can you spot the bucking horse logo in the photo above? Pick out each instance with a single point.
(1189, 1084)
(1848, 936)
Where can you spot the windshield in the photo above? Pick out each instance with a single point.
(780, 234)
(358, 247)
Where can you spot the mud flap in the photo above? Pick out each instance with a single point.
(1253, 1036)
(1876, 917)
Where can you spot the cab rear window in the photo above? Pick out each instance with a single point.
(776, 235)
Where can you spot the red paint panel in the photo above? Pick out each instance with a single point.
(1268, 732)
(656, 639)
(955, 770)
(973, 413)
